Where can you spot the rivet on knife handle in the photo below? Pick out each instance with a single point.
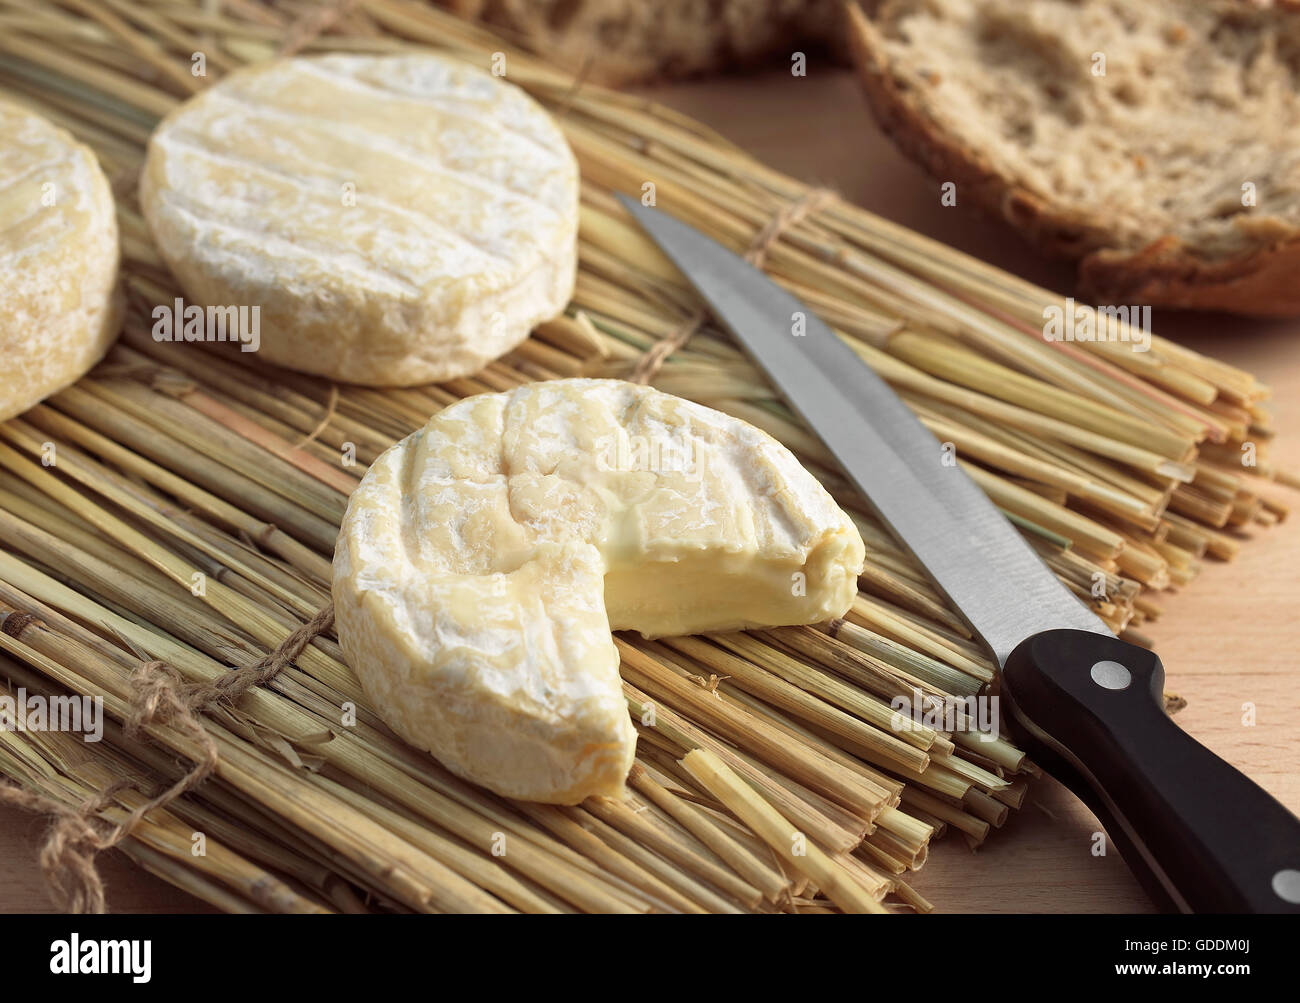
(1203, 837)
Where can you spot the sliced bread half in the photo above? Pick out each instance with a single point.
(1156, 142)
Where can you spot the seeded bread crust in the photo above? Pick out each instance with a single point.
(1211, 255)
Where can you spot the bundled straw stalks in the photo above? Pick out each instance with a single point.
(175, 512)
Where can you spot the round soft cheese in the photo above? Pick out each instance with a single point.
(396, 220)
(59, 310)
(484, 560)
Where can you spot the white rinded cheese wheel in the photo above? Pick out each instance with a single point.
(484, 560)
(397, 219)
(59, 310)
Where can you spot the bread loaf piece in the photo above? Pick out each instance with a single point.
(1152, 141)
(59, 306)
(620, 42)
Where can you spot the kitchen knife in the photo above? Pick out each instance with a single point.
(1198, 834)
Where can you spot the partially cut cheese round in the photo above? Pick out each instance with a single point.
(59, 309)
(484, 560)
(396, 219)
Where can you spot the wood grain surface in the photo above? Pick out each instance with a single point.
(1229, 639)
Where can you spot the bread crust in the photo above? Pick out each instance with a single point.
(1165, 272)
(1261, 284)
(622, 42)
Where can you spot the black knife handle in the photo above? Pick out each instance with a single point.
(1200, 835)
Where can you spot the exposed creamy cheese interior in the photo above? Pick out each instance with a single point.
(484, 560)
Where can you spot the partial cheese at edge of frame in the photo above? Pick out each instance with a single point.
(59, 306)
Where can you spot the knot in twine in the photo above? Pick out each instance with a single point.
(789, 216)
(159, 696)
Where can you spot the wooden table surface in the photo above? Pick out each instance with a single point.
(1230, 638)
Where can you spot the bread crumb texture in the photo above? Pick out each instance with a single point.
(484, 560)
(59, 310)
(1156, 140)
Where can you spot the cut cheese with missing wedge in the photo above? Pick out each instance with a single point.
(59, 308)
(396, 219)
(484, 560)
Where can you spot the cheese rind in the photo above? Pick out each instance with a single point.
(59, 256)
(484, 560)
(397, 219)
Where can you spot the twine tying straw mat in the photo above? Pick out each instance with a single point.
(175, 558)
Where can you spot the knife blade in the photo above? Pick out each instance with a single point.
(1198, 834)
(975, 556)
